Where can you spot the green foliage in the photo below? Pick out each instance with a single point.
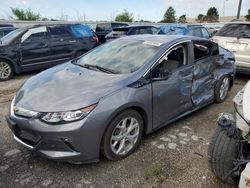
(248, 15)
(182, 19)
(169, 16)
(201, 18)
(124, 17)
(21, 14)
(212, 15)
(155, 173)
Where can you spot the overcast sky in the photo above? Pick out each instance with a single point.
(107, 9)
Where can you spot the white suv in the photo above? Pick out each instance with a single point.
(235, 37)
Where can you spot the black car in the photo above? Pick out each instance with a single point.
(132, 30)
(6, 30)
(102, 29)
(43, 46)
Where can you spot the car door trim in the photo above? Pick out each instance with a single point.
(45, 62)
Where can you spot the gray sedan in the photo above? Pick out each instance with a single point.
(106, 100)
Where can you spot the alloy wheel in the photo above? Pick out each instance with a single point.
(224, 88)
(125, 136)
(5, 70)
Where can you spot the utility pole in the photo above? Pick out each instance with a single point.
(239, 8)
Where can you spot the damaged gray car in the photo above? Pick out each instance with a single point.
(104, 101)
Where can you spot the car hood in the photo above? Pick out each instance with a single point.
(67, 87)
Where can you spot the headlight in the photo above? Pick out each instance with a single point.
(65, 117)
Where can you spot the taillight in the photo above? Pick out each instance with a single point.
(95, 38)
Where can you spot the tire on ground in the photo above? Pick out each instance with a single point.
(221, 153)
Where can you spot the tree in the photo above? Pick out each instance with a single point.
(201, 18)
(21, 14)
(169, 16)
(182, 19)
(248, 15)
(124, 17)
(212, 15)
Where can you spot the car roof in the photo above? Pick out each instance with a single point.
(238, 22)
(182, 25)
(164, 39)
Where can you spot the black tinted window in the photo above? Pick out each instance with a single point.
(202, 49)
(114, 25)
(36, 37)
(103, 27)
(235, 30)
(58, 32)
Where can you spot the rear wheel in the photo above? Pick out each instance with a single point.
(221, 89)
(6, 70)
(221, 153)
(123, 135)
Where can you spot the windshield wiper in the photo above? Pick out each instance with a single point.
(103, 69)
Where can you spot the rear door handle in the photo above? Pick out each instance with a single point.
(72, 41)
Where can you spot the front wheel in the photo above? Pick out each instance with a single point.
(123, 135)
(6, 70)
(221, 153)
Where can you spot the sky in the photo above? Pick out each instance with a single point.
(152, 10)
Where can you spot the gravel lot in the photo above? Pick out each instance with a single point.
(175, 156)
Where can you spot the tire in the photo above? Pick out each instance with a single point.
(116, 128)
(217, 92)
(6, 70)
(221, 153)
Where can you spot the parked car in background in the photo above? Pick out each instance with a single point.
(229, 147)
(132, 30)
(235, 36)
(102, 29)
(104, 101)
(181, 29)
(6, 30)
(43, 46)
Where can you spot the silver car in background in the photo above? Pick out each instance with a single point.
(104, 101)
(235, 37)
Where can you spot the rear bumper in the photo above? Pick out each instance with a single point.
(242, 67)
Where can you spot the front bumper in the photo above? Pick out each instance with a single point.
(75, 142)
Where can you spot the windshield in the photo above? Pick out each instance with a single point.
(235, 30)
(7, 39)
(121, 55)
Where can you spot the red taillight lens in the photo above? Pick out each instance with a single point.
(95, 38)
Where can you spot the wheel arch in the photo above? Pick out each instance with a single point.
(13, 63)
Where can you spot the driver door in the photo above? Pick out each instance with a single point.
(171, 85)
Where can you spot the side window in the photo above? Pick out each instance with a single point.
(205, 33)
(1, 34)
(58, 32)
(202, 49)
(155, 30)
(195, 32)
(80, 31)
(34, 35)
(175, 59)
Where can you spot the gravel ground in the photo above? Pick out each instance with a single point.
(174, 156)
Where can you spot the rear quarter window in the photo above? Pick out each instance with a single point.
(203, 49)
(235, 30)
(80, 31)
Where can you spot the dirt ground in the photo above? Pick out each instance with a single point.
(174, 156)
